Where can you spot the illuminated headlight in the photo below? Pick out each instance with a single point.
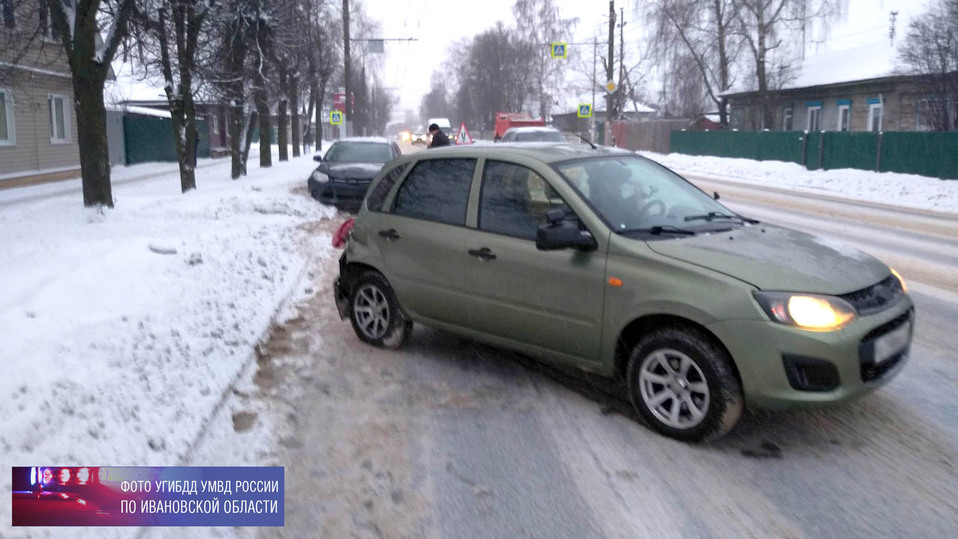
(808, 311)
(320, 177)
(901, 280)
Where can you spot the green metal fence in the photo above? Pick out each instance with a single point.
(927, 154)
(151, 139)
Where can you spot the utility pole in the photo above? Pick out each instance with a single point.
(609, 68)
(619, 92)
(347, 106)
(595, 55)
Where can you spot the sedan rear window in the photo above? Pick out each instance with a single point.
(437, 190)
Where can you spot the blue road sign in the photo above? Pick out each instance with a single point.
(585, 111)
(559, 50)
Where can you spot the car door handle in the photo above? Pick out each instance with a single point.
(391, 234)
(482, 254)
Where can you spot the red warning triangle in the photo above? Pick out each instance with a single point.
(463, 136)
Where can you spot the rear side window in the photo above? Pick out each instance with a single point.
(437, 190)
(376, 197)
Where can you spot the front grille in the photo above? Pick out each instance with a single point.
(866, 349)
(875, 298)
(351, 181)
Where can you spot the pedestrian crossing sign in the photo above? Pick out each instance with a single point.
(559, 50)
(336, 117)
(585, 111)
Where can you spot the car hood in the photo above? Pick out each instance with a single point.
(356, 171)
(776, 258)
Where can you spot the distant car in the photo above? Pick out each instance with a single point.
(347, 169)
(61, 496)
(419, 136)
(600, 259)
(533, 134)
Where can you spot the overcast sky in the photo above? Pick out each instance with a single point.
(438, 24)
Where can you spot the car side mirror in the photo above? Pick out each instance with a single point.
(318, 158)
(323, 167)
(715, 195)
(561, 233)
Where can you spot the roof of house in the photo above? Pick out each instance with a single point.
(864, 62)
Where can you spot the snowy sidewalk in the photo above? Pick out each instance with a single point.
(122, 330)
(884, 188)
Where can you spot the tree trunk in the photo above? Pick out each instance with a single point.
(265, 134)
(294, 106)
(237, 141)
(282, 118)
(723, 60)
(319, 115)
(768, 115)
(249, 138)
(91, 137)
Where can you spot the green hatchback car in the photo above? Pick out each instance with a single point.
(608, 262)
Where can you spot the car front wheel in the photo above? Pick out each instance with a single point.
(375, 314)
(683, 385)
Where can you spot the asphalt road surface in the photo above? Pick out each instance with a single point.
(449, 438)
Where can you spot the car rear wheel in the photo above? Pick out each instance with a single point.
(375, 314)
(683, 385)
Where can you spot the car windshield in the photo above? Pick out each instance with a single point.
(540, 136)
(359, 152)
(637, 195)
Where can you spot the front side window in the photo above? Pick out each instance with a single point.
(377, 196)
(815, 118)
(7, 125)
(515, 200)
(59, 120)
(359, 152)
(437, 190)
(215, 121)
(632, 194)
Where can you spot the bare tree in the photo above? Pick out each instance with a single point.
(89, 54)
(169, 34)
(930, 51)
(704, 29)
(766, 26)
(538, 25)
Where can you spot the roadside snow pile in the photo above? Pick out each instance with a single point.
(121, 330)
(905, 190)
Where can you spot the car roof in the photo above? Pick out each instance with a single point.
(545, 152)
(533, 129)
(379, 140)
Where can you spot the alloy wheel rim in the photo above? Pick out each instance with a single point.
(674, 388)
(371, 311)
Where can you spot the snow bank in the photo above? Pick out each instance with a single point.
(905, 190)
(122, 330)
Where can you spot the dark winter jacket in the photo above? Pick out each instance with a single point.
(439, 139)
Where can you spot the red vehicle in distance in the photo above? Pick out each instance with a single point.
(505, 120)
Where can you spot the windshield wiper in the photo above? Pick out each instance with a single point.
(658, 230)
(712, 215)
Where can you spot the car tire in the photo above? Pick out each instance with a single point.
(684, 385)
(375, 313)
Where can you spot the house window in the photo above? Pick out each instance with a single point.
(924, 114)
(814, 114)
(59, 119)
(876, 115)
(787, 119)
(844, 115)
(215, 121)
(8, 128)
(6, 6)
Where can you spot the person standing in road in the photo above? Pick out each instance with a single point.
(438, 137)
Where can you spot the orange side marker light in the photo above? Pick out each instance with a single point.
(615, 281)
